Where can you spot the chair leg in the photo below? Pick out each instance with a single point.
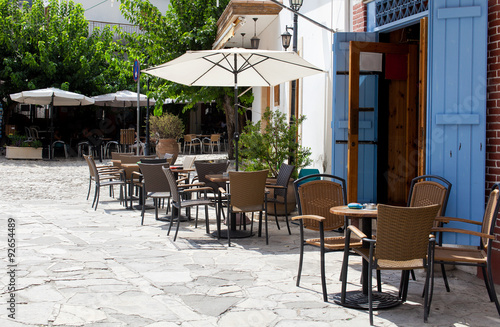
(322, 263)
(370, 299)
(229, 213)
(206, 220)
(276, 216)
(98, 191)
(90, 185)
(492, 289)
(445, 279)
(143, 209)
(301, 255)
(171, 222)
(267, 233)
(379, 281)
(286, 216)
(178, 223)
(413, 275)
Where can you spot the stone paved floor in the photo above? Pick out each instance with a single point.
(80, 267)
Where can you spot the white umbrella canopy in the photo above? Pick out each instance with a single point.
(235, 67)
(122, 99)
(218, 68)
(54, 97)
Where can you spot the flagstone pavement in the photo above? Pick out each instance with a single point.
(74, 266)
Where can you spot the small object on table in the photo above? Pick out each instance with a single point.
(355, 205)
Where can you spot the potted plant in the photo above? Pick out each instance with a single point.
(23, 148)
(270, 142)
(166, 128)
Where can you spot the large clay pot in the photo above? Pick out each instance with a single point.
(167, 146)
(280, 208)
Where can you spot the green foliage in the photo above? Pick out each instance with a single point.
(270, 147)
(42, 47)
(167, 126)
(22, 141)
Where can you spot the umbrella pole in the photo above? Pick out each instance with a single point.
(138, 112)
(236, 134)
(146, 147)
(51, 127)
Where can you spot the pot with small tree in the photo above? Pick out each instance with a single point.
(167, 129)
(270, 142)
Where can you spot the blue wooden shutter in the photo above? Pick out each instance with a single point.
(456, 130)
(367, 179)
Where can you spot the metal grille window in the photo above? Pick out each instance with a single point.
(389, 11)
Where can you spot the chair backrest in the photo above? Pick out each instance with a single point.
(188, 162)
(34, 133)
(120, 155)
(429, 189)
(188, 138)
(135, 158)
(247, 188)
(283, 177)
(92, 167)
(174, 190)
(154, 178)
(214, 138)
(403, 232)
(153, 161)
(490, 216)
(209, 168)
(316, 194)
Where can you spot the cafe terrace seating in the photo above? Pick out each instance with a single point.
(280, 190)
(402, 243)
(247, 193)
(212, 142)
(179, 201)
(479, 256)
(191, 141)
(105, 176)
(316, 194)
(155, 185)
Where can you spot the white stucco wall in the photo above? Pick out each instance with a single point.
(315, 92)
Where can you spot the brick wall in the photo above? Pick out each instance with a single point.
(493, 117)
(359, 17)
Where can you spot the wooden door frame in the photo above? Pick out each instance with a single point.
(355, 48)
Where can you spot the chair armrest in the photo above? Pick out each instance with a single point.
(273, 186)
(314, 217)
(222, 190)
(358, 232)
(197, 189)
(462, 220)
(201, 184)
(461, 231)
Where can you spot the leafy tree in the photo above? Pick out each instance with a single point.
(270, 142)
(51, 46)
(187, 25)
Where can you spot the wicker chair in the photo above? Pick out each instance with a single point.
(213, 168)
(191, 141)
(155, 185)
(247, 194)
(480, 256)
(316, 194)
(105, 176)
(402, 243)
(179, 202)
(212, 142)
(280, 188)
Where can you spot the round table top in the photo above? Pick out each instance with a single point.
(361, 213)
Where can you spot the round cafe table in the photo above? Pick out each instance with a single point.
(359, 299)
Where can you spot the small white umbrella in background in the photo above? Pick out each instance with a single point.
(235, 67)
(54, 97)
(124, 99)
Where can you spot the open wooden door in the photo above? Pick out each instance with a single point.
(402, 128)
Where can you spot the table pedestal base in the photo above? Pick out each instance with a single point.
(233, 234)
(358, 300)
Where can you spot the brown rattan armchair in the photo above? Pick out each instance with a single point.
(247, 193)
(402, 243)
(480, 256)
(316, 194)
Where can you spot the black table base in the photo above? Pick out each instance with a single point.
(359, 300)
(234, 234)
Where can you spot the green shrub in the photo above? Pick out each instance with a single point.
(22, 141)
(275, 144)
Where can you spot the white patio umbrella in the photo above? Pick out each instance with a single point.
(54, 97)
(235, 67)
(125, 99)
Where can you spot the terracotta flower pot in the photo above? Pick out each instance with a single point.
(167, 146)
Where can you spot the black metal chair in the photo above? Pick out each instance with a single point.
(280, 188)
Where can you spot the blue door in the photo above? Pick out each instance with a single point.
(367, 155)
(456, 124)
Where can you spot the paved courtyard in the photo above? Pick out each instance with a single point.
(80, 267)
